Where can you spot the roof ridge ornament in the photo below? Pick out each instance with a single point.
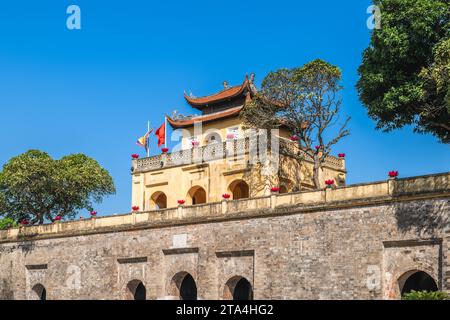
(226, 85)
(226, 95)
(178, 116)
(253, 87)
(191, 95)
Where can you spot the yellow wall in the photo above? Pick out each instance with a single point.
(201, 132)
(216, 176)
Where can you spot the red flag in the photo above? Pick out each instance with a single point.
(161, 134)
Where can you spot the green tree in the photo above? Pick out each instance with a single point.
(404, 75)
(35, 187)
(306, 101)
(7, 223)
(426, 295)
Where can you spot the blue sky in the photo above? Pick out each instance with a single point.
(93, 90)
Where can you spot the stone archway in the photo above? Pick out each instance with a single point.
(183, 286)
(239, 289)
(239, 189)
(158, 200)
(197, 195)
(136, 290)
(213, 137)
(39, 292)
(416, 280)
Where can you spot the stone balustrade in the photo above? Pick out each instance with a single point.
(430, 186)
(257, 146)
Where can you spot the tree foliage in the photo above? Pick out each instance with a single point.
(305, 100)
(35, 187)
(7, 223)
(404, 75)
(426, 295)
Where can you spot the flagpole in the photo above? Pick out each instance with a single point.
(165, 131)
(148, 130)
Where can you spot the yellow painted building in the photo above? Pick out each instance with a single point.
(217, 158)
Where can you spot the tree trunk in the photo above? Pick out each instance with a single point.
(316, 171)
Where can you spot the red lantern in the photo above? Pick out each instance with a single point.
(341, 155)
(135, 156)
(165, 150)
(393, 174)
(135, 208)
(317, 147)
(195, 143)
(329, 182)
(275, 189)
(24, 222)
(58, 218)
(294, 138)
(181, 202)
(94, 213)
(226, 196)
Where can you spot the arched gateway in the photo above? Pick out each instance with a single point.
(416, 280)
(183, 286)
(136, 290)
(238, 288)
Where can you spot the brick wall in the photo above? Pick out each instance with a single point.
(354, 253)
(334, 244)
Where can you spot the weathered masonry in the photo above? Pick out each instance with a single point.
(369, 241)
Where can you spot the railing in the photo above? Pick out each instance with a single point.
(257, 146)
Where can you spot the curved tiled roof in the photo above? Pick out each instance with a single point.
(205, 118)
(223, 95)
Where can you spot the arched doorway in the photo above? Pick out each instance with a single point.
(238, 288)
(188, 289)
(40, 293)
(197, 195)
(159, 200)
(136, 290)
(213, 138)
(239, 189)
(417, 281)
(183, 286)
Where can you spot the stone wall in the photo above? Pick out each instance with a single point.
(356, 242)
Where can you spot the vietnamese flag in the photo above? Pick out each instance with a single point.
(161, 134)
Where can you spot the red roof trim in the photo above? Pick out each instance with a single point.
(218, 97)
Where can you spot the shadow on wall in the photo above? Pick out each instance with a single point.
(253, 178)
(27, 246)
(426, 218)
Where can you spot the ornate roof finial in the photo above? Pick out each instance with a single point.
(252, 77)
(225, 84)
